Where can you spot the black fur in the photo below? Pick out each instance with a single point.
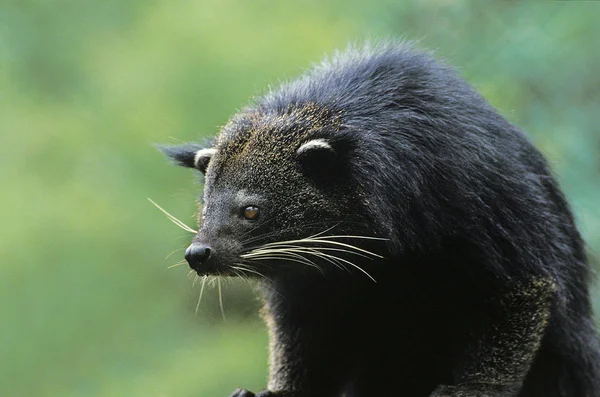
(182, 155)
(483, 288)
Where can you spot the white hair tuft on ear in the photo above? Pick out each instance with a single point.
(203, 153)
(314, 144)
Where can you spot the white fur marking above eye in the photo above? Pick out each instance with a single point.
(203, 153)
(314, 144)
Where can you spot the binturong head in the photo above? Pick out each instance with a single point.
(279, 196)
(377, 143)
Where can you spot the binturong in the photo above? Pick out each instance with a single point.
(407, 239)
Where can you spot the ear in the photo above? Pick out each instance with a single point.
(189, 155)
(318, 157)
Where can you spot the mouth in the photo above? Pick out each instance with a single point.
(230, 270)
(207, 270)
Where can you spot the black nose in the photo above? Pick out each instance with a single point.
(197, 255)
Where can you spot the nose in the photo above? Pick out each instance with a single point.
(198, 254)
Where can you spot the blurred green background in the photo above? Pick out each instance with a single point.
(87, 304)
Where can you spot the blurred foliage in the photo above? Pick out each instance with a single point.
(87, 304)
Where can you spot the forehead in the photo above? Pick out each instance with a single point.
(283, 129)
(266, 140)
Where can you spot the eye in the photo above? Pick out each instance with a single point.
(250, 212)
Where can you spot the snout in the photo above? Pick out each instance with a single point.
(200, 257)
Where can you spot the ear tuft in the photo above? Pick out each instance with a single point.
(189, 155)
(320, 145)
(202, 158)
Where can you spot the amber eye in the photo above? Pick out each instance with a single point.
(251, 213)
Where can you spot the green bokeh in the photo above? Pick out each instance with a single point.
(87, 304)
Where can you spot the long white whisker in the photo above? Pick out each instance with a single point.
(351, 236)
(247, 269)
(221, 299)
(178, 249)
(173, 218)
(356, 267)
(285, 253)
(347, 262)
(200, 295)
(238, 274)
(323, 232)
(259, 254)
(176, 264)
(256, 227)
(248, 241)
(329, 258)
(283, 247)
(299, 249)
(290, 257)
(319, 241)
(301, 257)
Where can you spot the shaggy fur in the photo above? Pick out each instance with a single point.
(478, 283)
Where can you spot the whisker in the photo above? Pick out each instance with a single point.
(240, 275)
(178, 249)
(283, 247)
(290, 257)
(329, 258)
(351, 264)
(247, 269)
(323, 232)
(301, 257)
(285, 258)
(322, 241)
(285, 252)
(257, 226)
(173, 219)
(352, 236)
(266, 235)
(260, 254)
(176, 264)
(356, 267)
(221, 298)
(240, 270)
(200, 295)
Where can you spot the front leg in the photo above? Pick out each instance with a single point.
(496, 365)
(304, 363)
(300, 365)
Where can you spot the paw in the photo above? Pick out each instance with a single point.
(242, 393)
(267, 393)
(246, 393)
